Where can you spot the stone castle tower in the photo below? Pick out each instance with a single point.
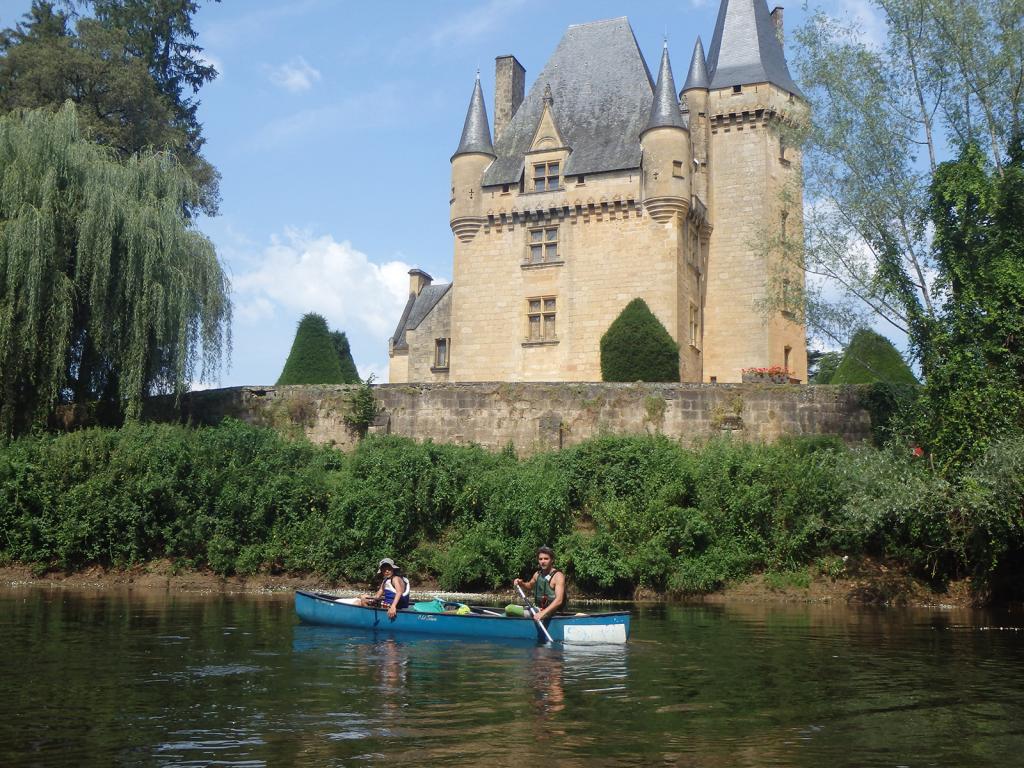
(603, 185)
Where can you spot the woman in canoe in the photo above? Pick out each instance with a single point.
(547, 583)
(394, 589)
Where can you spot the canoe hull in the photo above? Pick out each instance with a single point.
(315, 608)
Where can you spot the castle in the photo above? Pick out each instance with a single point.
(601, 186)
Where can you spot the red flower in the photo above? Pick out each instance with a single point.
(918, 452)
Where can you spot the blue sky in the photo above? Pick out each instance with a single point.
(332, 124)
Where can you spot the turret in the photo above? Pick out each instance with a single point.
(666, 151)
(469, 162)
(694, 97)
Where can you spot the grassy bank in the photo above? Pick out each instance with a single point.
(624, 513)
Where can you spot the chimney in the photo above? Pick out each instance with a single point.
(509, 89)
(777, 20)
(418, 280)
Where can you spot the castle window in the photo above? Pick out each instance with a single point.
(441, 353)
(785, 357)
(580, 180)
(543, 245)
(540, 318)
(677, 168)
(545, 176)
(694, 327)
(782, 225)
(737, 89)
(504, 189)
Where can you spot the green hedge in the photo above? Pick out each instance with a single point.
(623, 513)
(314, 357)
(636, 347)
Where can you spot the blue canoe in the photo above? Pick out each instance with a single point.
(318, 608)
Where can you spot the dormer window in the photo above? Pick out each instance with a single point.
(545, 177)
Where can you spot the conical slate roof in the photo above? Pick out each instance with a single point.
(476, 133)
(665, 108)
(745, 48)
(602, 96)
(697, 77)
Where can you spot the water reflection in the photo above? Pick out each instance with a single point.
(100, 679)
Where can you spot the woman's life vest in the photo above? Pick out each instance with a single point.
(544, 593)
(389, 592)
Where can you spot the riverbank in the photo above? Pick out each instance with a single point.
(866, 582)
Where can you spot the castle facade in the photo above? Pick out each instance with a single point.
(602, 185)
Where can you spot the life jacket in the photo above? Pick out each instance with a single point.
(544, 593)
(389, 592)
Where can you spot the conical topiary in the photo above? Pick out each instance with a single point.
(313, 359)
(870, 358)
(349, 372)
(636, 347)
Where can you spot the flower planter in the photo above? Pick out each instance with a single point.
(766, 378)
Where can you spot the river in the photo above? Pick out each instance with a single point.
(149, 678)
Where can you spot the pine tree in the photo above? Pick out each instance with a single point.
(313, 358)
(636, 347)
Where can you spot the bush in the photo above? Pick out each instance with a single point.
(349, 373)
(870, 358)
(636, 347)
(623, 513)
(313, 358)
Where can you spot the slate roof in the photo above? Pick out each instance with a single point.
(665, 105)
(602, 93)
(417, 308)
(476, 132)
(745, 48)
(697, 77)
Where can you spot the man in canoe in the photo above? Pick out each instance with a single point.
(547, 584)
(394, 589)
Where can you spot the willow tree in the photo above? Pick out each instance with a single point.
(106, 289)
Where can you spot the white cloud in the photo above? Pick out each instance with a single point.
(379, 107)
(871, 23)
(301, 273)
(474, 23)
(295, 75)
(208, 59)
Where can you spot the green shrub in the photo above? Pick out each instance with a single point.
(349, 373)
(313, 358)
(623, 513)
(870, 358)
(636, 347)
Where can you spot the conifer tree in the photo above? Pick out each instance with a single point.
(636, 347)
(349, 372)
(313, 358)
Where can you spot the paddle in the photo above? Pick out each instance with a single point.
(533, 613)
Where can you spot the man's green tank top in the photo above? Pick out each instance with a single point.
(544, 593)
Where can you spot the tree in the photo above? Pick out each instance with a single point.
(106, 289)
(871, 358)
(821, 366)
(636, 347)
(349, 373)
(948, 74)
(974, 349)
(126, 69)
(313, 358)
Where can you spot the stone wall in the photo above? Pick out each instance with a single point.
(536, 417)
